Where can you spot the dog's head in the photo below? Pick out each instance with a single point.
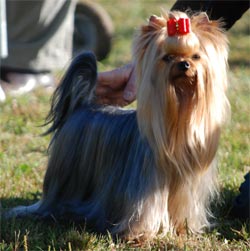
(183, 52)
(181, 67)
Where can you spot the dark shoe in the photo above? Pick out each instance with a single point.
(241, 204)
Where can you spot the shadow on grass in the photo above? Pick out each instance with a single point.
(10, 202)
(40, 234)
(47, 233)
(227, 226)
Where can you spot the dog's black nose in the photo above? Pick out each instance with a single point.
(183, 65)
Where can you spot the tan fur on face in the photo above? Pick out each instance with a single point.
(181, 116)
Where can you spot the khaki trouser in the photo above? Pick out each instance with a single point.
(40, 34)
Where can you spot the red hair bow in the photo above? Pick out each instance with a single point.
(178, 27)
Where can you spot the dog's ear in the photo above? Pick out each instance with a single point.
(201, 18)
(157, 22)
(202, 21)
(154, 23)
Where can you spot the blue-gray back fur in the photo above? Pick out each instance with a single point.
(99, 164)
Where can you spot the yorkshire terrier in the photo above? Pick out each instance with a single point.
(138, 173)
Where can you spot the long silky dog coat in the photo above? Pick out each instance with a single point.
(145, 171)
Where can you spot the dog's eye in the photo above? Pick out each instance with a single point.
(168, 58)
(196, 56)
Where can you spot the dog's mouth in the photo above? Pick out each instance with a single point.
(184, 78)
(184, 84)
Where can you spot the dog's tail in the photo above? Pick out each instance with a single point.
(76, 89)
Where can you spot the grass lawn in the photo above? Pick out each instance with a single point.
(23, 153)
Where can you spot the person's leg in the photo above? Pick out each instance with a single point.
(39, 34)
(40, 37)
(230, 11)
